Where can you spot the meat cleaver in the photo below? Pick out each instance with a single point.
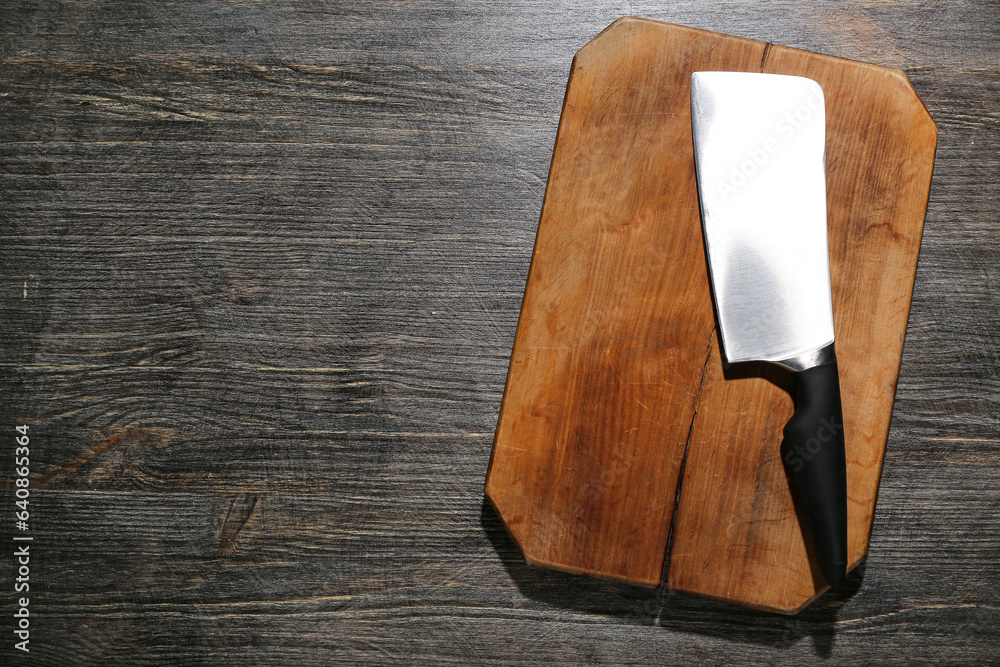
(759, 149)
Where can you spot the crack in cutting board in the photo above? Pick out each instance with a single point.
(609, 399)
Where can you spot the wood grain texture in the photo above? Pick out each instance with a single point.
(616, 376)
(279, 249)
(615, 326)
(746, 544)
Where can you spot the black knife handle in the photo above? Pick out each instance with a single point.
(813, 450)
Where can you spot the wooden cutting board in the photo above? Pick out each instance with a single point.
(616, 388)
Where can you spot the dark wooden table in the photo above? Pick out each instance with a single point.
(261, 269)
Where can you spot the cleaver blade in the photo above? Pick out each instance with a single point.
(759, 149)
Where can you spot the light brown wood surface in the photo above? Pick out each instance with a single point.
(616, 382)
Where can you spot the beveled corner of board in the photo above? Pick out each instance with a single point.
(527, 548)
(612, 37)
(905, 85)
